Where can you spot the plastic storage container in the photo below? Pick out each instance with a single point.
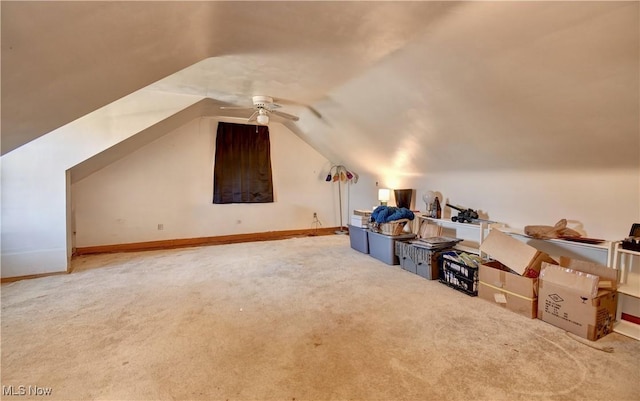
(382, 247)
(359, 239)
(419, 260)
(403, 249)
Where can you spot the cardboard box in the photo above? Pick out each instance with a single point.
(567, 301)
(523, 259)
(360, 221)
(511, 280)
(508, 290)
(364, 213)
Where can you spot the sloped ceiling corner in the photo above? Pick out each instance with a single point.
(62, 60)
(91, 165)
(381, 86)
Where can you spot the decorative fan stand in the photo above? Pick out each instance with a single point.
(339, 173)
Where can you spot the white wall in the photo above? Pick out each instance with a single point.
(524, 110)
(600, 203)
(170, 182)
(34, 178)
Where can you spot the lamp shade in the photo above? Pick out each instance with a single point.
(383, 194)
(403, 197)
(262, 119)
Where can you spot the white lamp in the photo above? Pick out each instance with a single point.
(262, 118)
(383, 196)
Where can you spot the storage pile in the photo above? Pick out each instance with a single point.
(511, 279)
(579, 297)
(379, 245)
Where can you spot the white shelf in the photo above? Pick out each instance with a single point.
(605, 245)
(471, 234)
(456, 224)
(631, 289)
(627, 328)
(628, 290)
(628, 251)
(629, 280)
(447, 222)
(597, 253)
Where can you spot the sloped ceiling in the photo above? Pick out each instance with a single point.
(383, 86)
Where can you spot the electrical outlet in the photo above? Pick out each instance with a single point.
(160, 226)
(315, 215)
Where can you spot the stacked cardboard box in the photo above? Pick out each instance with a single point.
(359, 221)
(510, 281)
(580, 298)
(360, 218)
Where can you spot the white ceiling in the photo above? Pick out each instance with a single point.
(383, 86)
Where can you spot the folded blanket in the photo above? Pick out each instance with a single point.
(385, 214)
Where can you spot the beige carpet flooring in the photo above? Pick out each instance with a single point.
(297, 319)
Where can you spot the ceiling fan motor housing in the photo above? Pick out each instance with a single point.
(262, 107)
(262, 101)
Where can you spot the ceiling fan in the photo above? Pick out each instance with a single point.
(263, 106)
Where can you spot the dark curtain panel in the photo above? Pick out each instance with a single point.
(242, 171)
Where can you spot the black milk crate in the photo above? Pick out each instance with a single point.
(459, 276)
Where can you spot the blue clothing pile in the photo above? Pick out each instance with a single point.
(386, 214)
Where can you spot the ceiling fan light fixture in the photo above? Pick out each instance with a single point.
(262, 118)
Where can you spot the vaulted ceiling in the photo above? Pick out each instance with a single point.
(407, 86)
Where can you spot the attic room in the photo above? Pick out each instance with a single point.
(527, 112)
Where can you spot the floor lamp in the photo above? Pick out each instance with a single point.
(341, 174)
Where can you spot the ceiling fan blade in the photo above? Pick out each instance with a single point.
(253, 116)
(314, 111)
(308, 106)
(235, 108)
(285, 115)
